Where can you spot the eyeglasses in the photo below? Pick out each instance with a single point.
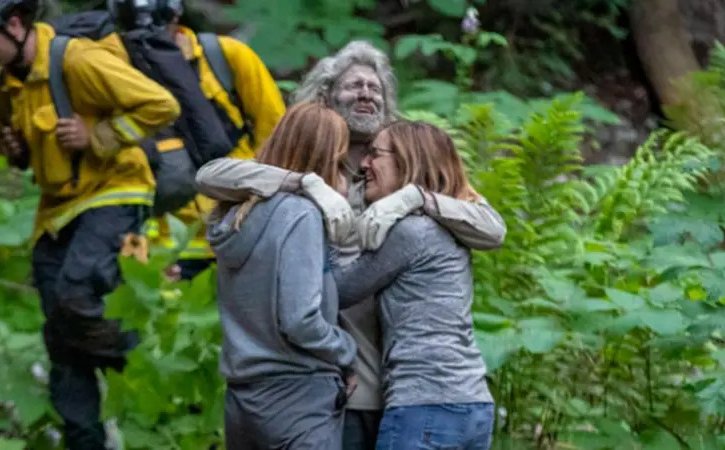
(377, 152)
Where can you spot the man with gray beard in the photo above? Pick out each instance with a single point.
(359, 84)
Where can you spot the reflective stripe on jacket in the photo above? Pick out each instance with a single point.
(102, 88)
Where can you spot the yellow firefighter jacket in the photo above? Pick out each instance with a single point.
(107, 93)
(262, 103)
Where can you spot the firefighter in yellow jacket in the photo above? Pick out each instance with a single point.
(249, 115)
(95, 186)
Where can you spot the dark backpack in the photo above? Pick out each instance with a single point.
(153, 53)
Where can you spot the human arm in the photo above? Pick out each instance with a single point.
(258, 93)
(474, 223)
(300, 290)
(373, 270)
(234, 180)
(132, 106)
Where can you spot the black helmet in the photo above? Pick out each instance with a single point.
(168, 10)
(132, 14)
(26, 9)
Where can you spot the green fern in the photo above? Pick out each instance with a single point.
(528, 176)
(653, 181)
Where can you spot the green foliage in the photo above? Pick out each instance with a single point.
(601, 319)
(601, 329)
(25, 411)
(170, 393)
(287, 33)
(546, 41)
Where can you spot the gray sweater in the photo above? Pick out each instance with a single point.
(277, 298)
(422, 280)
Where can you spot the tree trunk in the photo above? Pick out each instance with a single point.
(663, 45)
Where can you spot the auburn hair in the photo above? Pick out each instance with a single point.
(426, 156)
(310, 137)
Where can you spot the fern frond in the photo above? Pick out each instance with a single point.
(664, 167)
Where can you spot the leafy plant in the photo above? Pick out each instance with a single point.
(599, 330)
(170, 394)
(25, 411)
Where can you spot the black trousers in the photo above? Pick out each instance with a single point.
(72, 273)
(361, 429)
(193, 267)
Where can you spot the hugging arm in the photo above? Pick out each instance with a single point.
(374, 270)
(474, 223)
(300, 284)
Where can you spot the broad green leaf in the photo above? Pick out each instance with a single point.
(664, 294)
(490, 322)
(497, 348)
(625, 300)
(677, 256)
(658, 440)
(588, 305)
(540, 303)
(561, 289)
(540, 335)
(453, 8)
(175, 363)
(664, 322)
(439, 96)
(136, 437)
(406, 46)
(11, 444)
(712, 398)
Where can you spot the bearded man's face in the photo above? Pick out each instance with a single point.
(359, 98)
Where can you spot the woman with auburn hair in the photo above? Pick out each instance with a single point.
(434, 383)
(283, 355)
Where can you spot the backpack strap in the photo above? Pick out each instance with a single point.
(220, 67)
(58, 89)
(217, 61)
(59, 92)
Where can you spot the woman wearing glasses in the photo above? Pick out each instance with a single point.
(434, 384)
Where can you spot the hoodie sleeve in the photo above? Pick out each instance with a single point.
(374, 270)
(300, 282)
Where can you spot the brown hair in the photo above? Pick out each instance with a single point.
(426, 156)
(310, 137)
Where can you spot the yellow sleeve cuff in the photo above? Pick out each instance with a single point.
(104, 140)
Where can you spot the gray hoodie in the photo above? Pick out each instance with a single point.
(277, 298)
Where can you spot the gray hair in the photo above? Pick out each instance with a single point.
(319, 81)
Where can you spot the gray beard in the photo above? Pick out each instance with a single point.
(363, 123)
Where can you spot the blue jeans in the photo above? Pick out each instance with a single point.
(466, 426)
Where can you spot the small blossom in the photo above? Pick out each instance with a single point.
(470, 23)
